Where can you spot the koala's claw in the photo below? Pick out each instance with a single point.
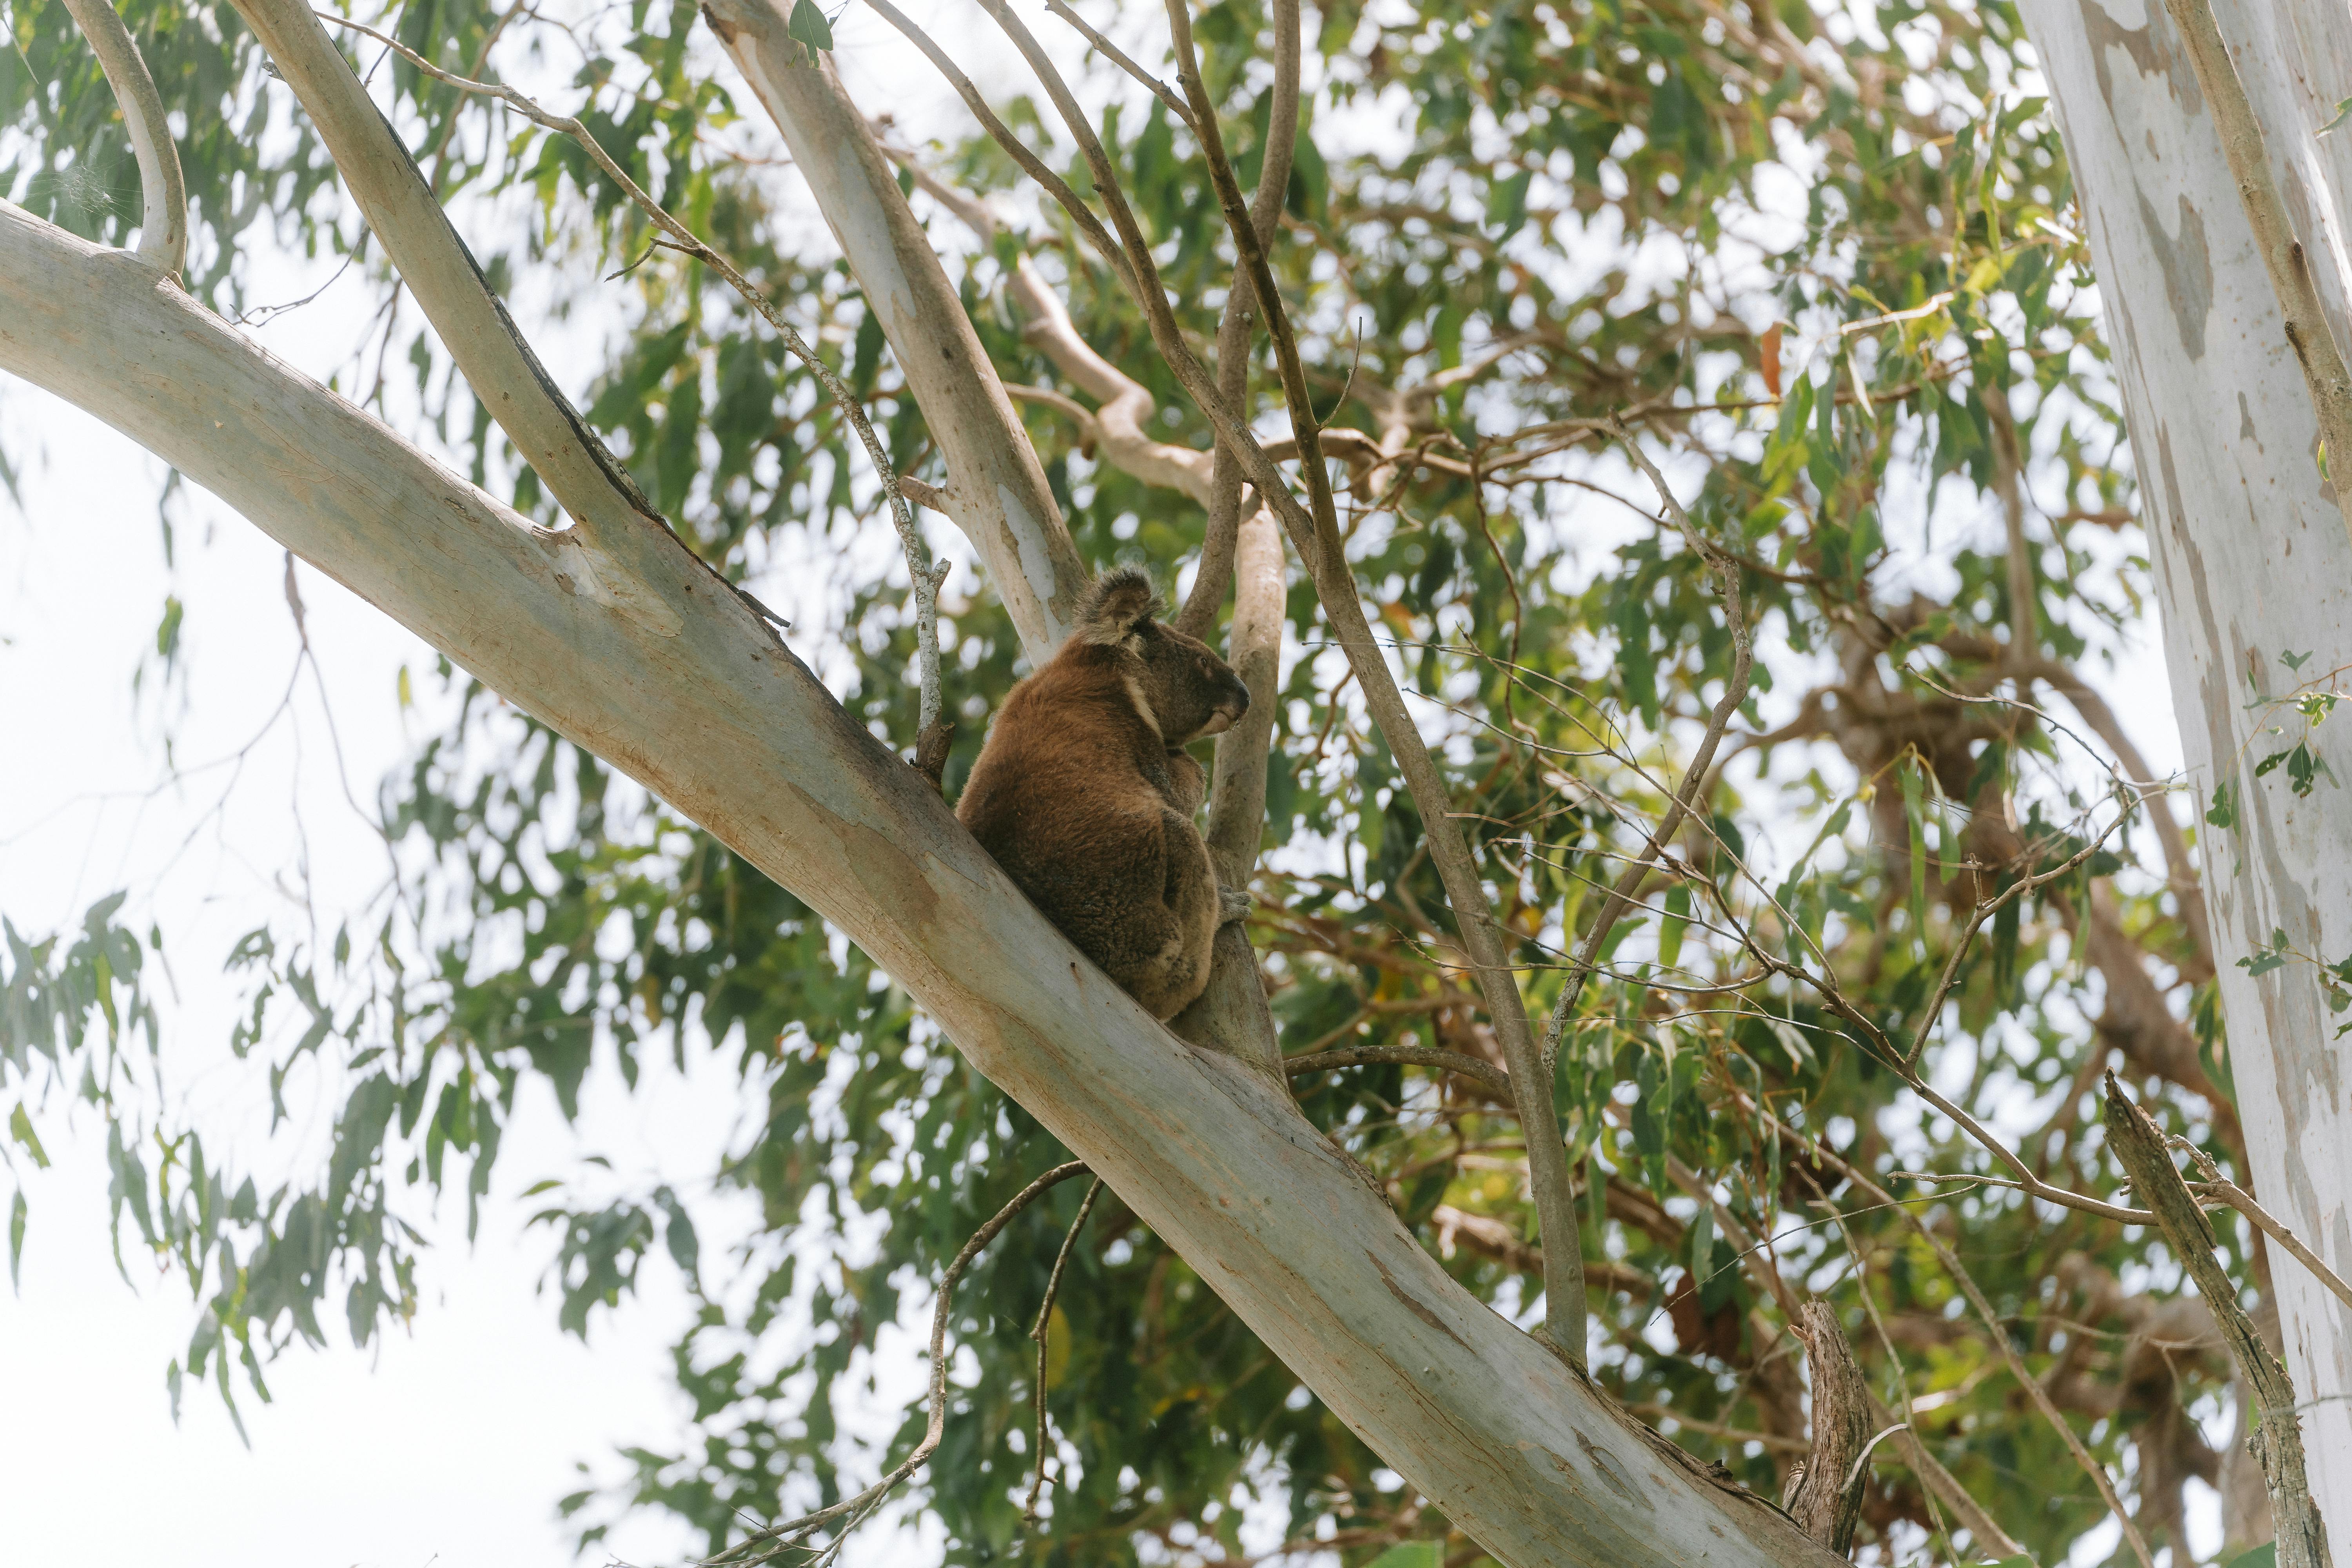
(1232, 904)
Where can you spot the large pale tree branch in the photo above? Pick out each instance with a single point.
(434, 265)
(1125, 407)
(996, 489)
(687, 689)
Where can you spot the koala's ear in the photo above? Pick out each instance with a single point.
(1118, 604)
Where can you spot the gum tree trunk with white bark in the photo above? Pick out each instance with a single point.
(2253, 564)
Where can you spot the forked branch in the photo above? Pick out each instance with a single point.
(162, 194)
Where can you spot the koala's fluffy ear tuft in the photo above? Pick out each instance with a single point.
(1120, 601)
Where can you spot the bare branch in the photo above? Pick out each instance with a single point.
(1233, 1011)
(162, 194)
(763, 1545)
(995, 488)
(1126, 407)
(1826, 1501)
(1118, 57)
(2238, 1198)
(1043, 1330)
(1031, 164)
(1236, 329)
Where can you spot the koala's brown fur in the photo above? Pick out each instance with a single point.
(1084, 793)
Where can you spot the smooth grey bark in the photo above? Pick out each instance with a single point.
(2252, 564)
(621, 639)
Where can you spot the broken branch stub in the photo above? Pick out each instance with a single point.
(1828, 1498)
(2277, 1439)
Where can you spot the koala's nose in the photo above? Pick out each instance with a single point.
(1232, 701)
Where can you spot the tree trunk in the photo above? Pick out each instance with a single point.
(2252, 567)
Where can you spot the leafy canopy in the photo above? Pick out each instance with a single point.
(1822, 262)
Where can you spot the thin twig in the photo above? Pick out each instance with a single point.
(1118, 56)
(1985, 910)
(1040, 1332)
(1030, 164)
(778, 1537)
(1735, 693)
(2238, 1198)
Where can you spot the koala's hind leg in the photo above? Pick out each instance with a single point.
(1168, 979)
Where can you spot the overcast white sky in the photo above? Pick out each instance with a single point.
(448, 1445)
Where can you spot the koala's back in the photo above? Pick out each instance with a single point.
(1069, 796)
(1061, 796)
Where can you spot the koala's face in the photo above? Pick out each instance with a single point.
(1189, 690)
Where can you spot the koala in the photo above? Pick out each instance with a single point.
(1084, 794)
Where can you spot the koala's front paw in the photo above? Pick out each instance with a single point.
(1188, 783)
(1232, 904)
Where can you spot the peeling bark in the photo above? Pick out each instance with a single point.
(1827, 1497)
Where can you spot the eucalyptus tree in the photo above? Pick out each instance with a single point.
(1663, 477)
